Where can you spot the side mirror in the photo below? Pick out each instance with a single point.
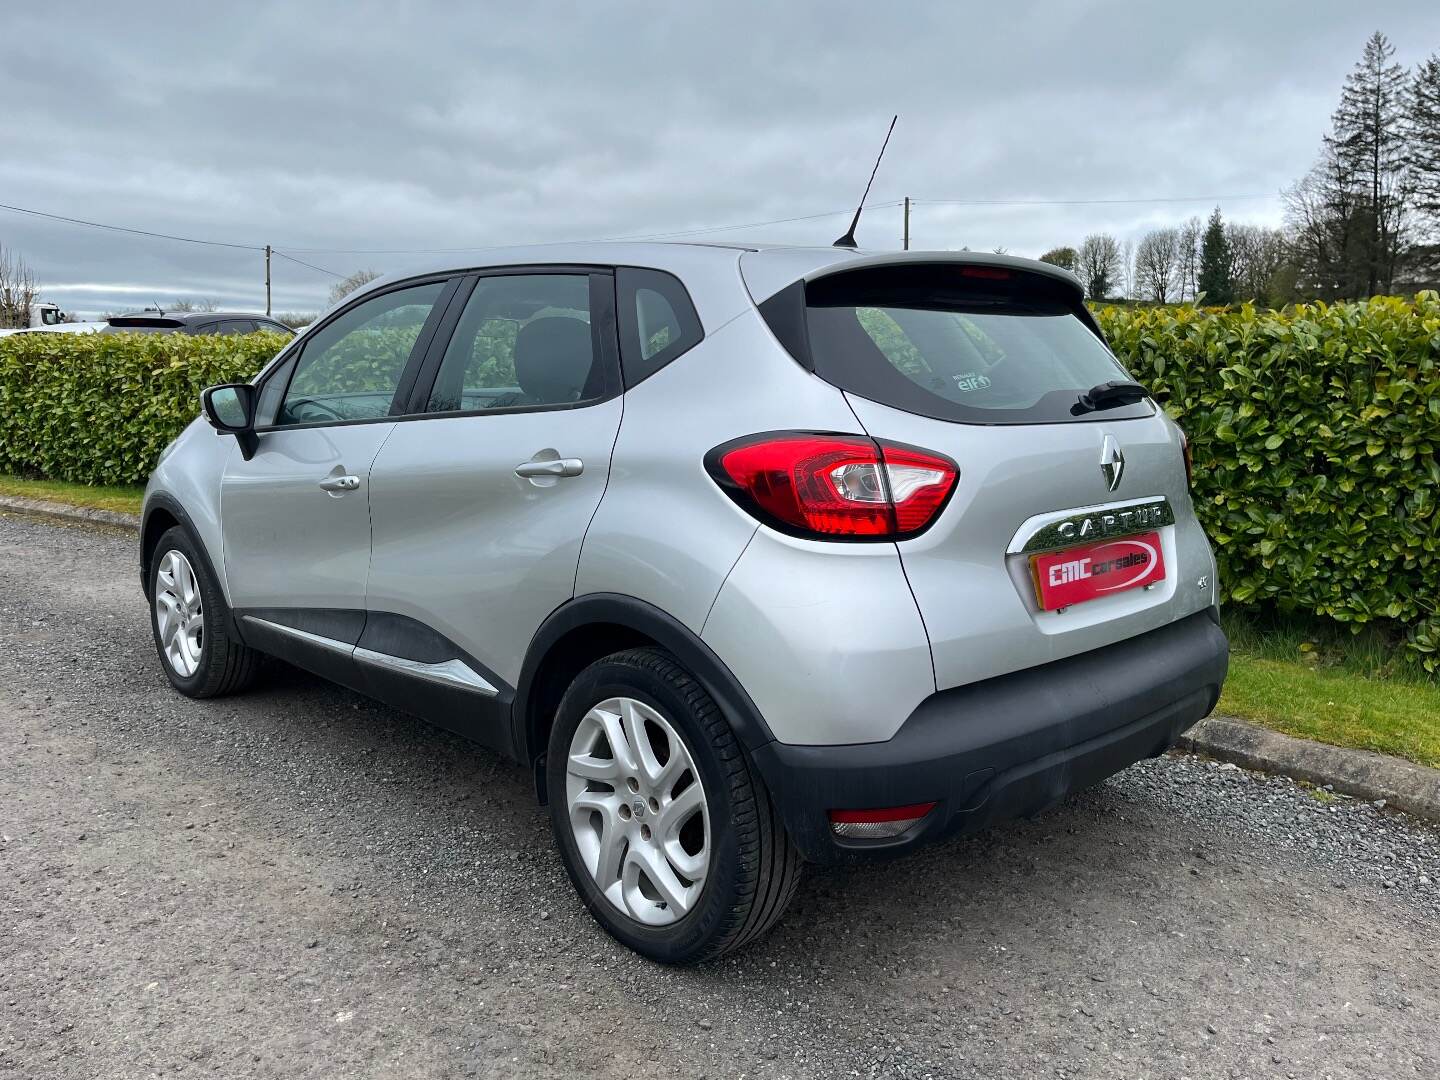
(230, 409)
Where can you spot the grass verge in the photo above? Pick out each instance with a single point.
(1327, 685)
(125, 499)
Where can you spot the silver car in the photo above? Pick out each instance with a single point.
(755, 556)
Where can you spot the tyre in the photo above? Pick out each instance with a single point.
(187, 617)
(669, 837)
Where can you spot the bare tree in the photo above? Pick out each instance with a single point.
(17, 290)
(198, 303)
(346, 286)
(1157, 265)
(1258, 255)
(1323, 213)
(1127, 269)
(1099, 265)
(1189, 258)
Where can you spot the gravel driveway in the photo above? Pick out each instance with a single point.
(298, 883)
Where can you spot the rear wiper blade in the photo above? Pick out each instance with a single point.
(1107, 395)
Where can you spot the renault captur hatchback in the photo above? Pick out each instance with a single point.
(753, 556)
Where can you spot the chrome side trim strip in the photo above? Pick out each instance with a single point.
(304, 635)
(448, 673)
(1047, 532)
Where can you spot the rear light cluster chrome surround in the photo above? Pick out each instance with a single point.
(825, 486)
(880, 824)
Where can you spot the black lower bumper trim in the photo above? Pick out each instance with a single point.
(1006, 747)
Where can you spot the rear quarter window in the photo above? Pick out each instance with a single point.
(657, 321)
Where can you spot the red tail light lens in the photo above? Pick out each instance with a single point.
(838, 486)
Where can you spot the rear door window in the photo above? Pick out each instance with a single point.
(524, 341)
(962, 343)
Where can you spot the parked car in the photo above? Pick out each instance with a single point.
(753, 556)
(194, 322)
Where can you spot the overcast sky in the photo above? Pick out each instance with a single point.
(351, 125)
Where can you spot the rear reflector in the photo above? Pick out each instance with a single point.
(877, 824)
(834, 486)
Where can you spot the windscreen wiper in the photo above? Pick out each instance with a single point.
(1107, 395)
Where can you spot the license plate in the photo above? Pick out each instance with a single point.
(1078, 574)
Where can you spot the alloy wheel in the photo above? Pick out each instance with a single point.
(179, 614)
(637, 811)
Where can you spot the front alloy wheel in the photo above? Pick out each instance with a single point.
(189, 620)
(179, 614)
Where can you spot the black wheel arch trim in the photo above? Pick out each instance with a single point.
(667, 632)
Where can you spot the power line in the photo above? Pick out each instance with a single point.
(1086, 202)
(128, 229)
(302, 262)
(672, 235)
(597, 240)
(750, 224)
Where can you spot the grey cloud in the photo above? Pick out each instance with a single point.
(406, 125)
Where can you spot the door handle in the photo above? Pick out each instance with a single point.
(568, 466)
(340, 483)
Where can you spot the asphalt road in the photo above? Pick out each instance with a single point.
(297, 883)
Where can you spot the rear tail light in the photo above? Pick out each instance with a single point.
(835, 486)
(879, 824)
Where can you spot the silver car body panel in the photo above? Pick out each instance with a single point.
(472, 550)
(976, 594)
(825, 637)
(665, 533)
(188, 474)
(289, 543)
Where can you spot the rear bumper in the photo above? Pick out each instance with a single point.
(1005, 747)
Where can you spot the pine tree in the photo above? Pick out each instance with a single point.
(1215, 263)
(1423, 130)
(1368, 142)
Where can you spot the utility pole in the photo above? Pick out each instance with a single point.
(267, 279)
(907, 222)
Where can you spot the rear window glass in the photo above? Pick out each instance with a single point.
(1008, 347)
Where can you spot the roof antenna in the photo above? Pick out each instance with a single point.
(848, 240)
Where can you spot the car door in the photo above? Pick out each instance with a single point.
(294, 516)
(478, 510)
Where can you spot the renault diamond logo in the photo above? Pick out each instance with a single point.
(1112, 462)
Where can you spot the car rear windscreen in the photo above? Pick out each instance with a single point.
(959, 342)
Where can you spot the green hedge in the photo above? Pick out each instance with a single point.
(99, 408)
(1315, 432)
